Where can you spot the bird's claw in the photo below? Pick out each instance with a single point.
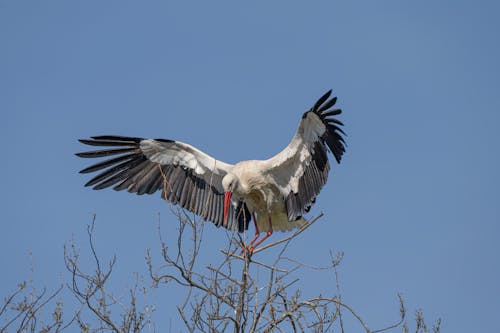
(248, 250)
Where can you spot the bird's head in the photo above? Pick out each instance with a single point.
(230, 184)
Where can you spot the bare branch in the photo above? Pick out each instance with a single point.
(223, 295)
(219, 298)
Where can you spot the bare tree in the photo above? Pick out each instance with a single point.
(92, 293)
(239, 293)
(226, 296)
(30, 310)
(21, 309)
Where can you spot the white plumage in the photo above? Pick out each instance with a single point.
(276, 192)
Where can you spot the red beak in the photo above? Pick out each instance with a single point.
(227, 202)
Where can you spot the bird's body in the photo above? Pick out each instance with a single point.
(262, 195)
(276, 192)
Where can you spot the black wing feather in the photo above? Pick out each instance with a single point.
(106, 152)
(106, 163)
(331, 136)
(316, 173)
(131, 170)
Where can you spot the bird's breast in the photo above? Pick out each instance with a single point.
(258, 191)
(263, 198)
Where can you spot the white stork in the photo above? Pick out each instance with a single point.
(276, 192)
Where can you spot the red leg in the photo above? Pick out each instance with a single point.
(257, 233)
(268, 233)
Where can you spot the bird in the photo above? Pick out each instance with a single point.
(274, 193)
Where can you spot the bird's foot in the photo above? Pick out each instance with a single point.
(253, 244)
(247, 250)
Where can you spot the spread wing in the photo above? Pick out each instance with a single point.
(301, 169)
(185, 175)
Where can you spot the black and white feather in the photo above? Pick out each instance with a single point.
(184, 175)
(301, 169)
(282, 188)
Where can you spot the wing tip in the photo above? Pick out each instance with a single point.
(320, 101)
(117, 138)
(333, 131)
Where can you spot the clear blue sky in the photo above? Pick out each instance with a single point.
(414, 205)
